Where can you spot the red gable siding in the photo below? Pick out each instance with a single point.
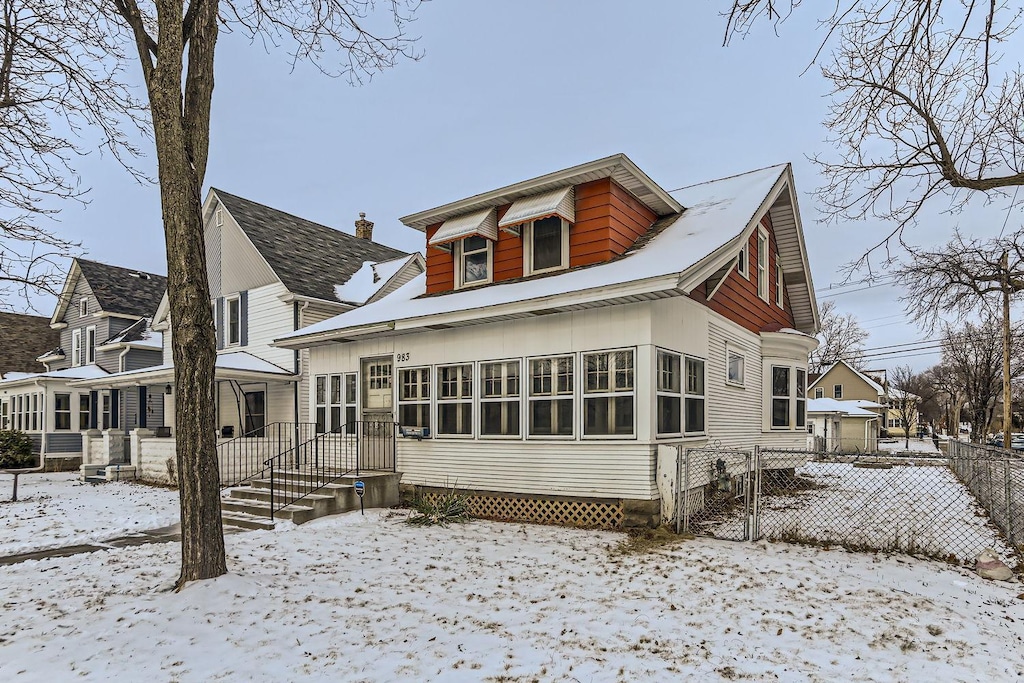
(737, 298)
(608, 221)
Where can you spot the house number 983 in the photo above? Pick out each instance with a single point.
(402, 357)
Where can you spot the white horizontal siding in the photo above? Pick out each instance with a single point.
(734, 413)
(582, 469)
(268, 318)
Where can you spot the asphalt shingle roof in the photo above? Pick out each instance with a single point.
(124, 290)
(309, 258)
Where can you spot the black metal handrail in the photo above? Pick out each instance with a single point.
(308, 467)
(244, 458)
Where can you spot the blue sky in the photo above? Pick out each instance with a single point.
(507, 91)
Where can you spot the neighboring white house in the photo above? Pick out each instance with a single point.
(568, 325)
(270, 273)
(843, 426)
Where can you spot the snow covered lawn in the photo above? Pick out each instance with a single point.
(899, 445)
(57, 510)
(371, 599)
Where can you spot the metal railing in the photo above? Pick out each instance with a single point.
(244, 458)
(365, 445)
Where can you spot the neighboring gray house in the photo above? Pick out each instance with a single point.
(22, 338)
(102, 319)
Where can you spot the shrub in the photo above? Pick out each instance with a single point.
(15, 450)
(442, 509)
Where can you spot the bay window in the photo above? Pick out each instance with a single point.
(414, 397)
(669, 394)
(499, 399)
(455, 400)
(780, 396)
(609, 398)
(801, 397)
(551, 397)
(694, 398)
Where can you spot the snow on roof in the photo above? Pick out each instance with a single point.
(234, 360)
(717, 212)
(863, 403)
(831, 405)
(82, 372)
(368, 280)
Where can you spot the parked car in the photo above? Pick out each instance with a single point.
(1016, 441)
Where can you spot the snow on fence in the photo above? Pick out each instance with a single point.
(932, 507)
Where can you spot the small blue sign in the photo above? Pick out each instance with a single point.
(360, 488)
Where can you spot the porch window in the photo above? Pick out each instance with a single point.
(499, 399)
(351, 382)
(669, 394)
(255, 413)
(694, 397)
(474, 258)
(801, 398)
(762, 265)
(414, 397)
(551, 396)
(84, 406)
(76, 347)
(105, 413)
(37, 413)
(455, 400)
(608, 400)
(62, 411)
(90, 345)
(320, 403)
(335, 403)
(780, 396)
(547, 245)
(4, 415)
(234, 320)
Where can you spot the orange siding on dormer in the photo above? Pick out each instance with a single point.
(737, 298)
(608, 221)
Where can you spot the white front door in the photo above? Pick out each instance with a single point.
(377, 388)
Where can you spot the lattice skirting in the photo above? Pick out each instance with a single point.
(599, 514)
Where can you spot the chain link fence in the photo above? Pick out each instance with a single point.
(949, 509)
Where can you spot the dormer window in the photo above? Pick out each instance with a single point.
(83, 307)
(546, 245)
(474, 260)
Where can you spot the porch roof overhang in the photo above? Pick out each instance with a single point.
(238, 366)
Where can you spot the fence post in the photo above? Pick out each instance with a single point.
(686, 489)
(677, 502)
(1009, 507)
(755, 486)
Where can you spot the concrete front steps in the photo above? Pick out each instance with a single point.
(249, 506)
(97, 474)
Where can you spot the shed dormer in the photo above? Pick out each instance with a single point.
(580, 216)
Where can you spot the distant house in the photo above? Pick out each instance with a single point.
(843, 426)
(843, 382)
(567, 326)
(101, 319)
(23, 338)
(270, 273)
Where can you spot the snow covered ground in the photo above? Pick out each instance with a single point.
(900, 445)
(57, 510)
(354, 598)
(909, 507)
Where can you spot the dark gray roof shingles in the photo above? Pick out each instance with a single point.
(124, 290)
(23, 338)
(311, 259)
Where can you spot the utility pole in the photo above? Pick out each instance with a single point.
(1004, 281)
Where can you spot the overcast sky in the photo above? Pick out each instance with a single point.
(508, 91)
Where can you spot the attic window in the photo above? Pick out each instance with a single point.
(219, 216)
(83, 307)
(742, 262)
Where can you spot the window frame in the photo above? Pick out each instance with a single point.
(788, 396)
(762, 264)
(419, 399)
(528, 232)
(743, 260)
(730, 353)
(504, 398)
(89, 345)
(83, 307)
(84, 411)
(688, 396)
(668, 393)
(611, 392)
(800, 398)
(551, 397)
(228, 301)
(837, 392)
(780, 299)
(461, 399)
(460, 254)
(64, 413)
(76, 347)
(819, 392)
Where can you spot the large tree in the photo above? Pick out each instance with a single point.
(62, 95)
(907, 391)
(840, 338)
(924, 103)
(175, 43)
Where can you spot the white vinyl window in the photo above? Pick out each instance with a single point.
(546, 245)
(455, 400)
(219, 217)
(780, 292)
(414, 397)
(837, 391)
(234, 320)
(762, 265)
(62, 412)
(84, 411)
(669, 393)
(552, 389)
(474, 261)
(819, 392)
(320, 403)
(694, 396)
(90, 345)
(743, 262)
(735, 367)
(76, 347)
(608, 393)
(801, 397)
(499, 399)
(781, 393)
(83, 307)
(334, 403)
